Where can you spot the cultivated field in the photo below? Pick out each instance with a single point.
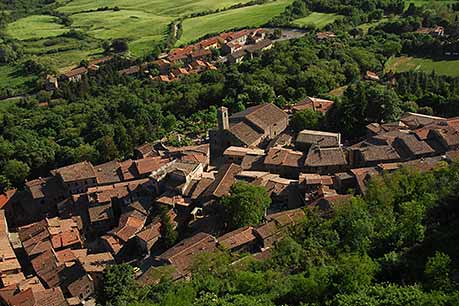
(251, 16)
(406, 63)
(34, 27)
(141, 22)
(319, 20)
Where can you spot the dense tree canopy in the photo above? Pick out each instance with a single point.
(246, 204)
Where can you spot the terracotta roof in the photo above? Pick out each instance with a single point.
(150, 164)
(97, 262)
(283, 157)
(371, 76)
(245, 133)
(324, 139)
(242, 151)
(200, 53)
(266, 230)
(363, 175)
(287, 217)
(150, 232)
(181, 255)
(415, 120)
(76, 72)
(50, 297)
(76, 172)
(201, 187)
(320, 157)
(237, 238)
(449, 136)
(107, 173)
(325, 35)
(113, 243)
(224, 180)
(100, 213)
(410, 145)
(6, 196)
(66, 239)
(48, 187)
(129, 224)
(262, 116)
(145, 149)
(379, 153)
(259, 45)
(316, 104)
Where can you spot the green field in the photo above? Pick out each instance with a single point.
(169, 8)
(11, 76)
(251, 16)
(319, 20)
(36, 26)
(405, 63)
(424, 2)
(141, 22)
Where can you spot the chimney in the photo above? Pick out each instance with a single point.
(222, 118)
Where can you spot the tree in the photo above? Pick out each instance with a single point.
(119, 285)
(168, 234)
(306, 119)
(245, 205)
(437, 271)
(16, 171)
(119, 45)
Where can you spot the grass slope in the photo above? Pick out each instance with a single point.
(36, 26)
(252, 16)
(169, 8)
(406, 63)
(320, 20)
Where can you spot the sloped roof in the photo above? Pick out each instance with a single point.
(320, 157)
(263, 115)
(245, 133)
(76, 172)
(237, 237)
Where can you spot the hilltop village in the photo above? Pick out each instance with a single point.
(204, 55)
(63, 230)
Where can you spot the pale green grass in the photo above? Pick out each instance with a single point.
(405, 63)
(319, 20)
(122, 24)
(253, 16)
(366, 26)
(144, 45)
(35, 26)
(171, 8)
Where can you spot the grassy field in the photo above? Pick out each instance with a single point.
(424, 2)
(173, 8)
(251, 16)
(141, 22)
(36, 26)
(12, 77)
(320, 20)
(406, 63)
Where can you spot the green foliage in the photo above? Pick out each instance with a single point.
(119, 285)
(246, 204)
(306, 119)
(16, 171)
(168, 234)
(437, 272)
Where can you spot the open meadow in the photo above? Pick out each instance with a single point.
(141, 22)
(406, 63)
(251, 16)
(319, 20)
